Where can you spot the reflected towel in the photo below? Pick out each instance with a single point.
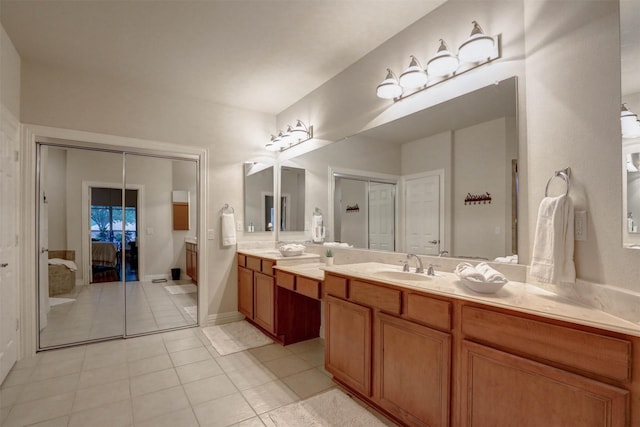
(490, 274)
(228, 229)
(59, 261)
(552, 258)
(464, 270)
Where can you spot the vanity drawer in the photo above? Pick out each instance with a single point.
(385, 299)
(308, 287)
(585, 351)
(286, 280)
(430, 311)
(253, 263)
(242, 260)
(336, 286)
(267, 267)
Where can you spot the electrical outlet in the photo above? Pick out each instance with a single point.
(211, 234)
(239, 226)
(580, 225)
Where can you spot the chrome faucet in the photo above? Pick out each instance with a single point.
(443, 253)
(419, 266)
(431, 271)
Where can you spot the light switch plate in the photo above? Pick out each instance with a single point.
(211, 234)
(580, 226)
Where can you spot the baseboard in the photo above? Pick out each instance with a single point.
(221, 318)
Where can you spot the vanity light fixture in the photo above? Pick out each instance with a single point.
(390, 87)
(414, 76)
(443, 63)
(479, 49)
(290, 138)
(629, 123)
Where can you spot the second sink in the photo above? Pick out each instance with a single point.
(401, 275)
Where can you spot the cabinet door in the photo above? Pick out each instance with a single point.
(264, 301)
(348, 343)
(499, 389)
(413, 365)
(245, 292)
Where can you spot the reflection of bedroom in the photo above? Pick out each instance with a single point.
(91, 266)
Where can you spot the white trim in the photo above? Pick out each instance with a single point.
(221, 318)
(31, 133)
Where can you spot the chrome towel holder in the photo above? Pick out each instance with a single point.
(227, 209)
(564, 174)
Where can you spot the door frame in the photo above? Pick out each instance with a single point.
(86, 225)
(445, 229)
(30, 135)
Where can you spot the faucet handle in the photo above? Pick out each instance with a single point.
(405, 264)
(430, 270)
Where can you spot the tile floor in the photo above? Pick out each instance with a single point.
(171, 379)
(98, 311)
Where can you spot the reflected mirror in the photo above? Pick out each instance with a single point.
(630, 89)
(259, 208)
(456, 168)
(292, 198)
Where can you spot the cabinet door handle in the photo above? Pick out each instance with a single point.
(434, 242)
(4, 265)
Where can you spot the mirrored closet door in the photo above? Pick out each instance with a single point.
(117, 244)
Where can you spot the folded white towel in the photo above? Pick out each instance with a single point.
(512, 259)
(292, 247)
(464, 270)
(59, 261)
(228, 229)
(552, 257)
(490, 274)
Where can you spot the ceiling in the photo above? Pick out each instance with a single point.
(261, 55)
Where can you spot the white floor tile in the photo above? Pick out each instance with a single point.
(209, 389)
(307, 383)
(154, 381)
(151, 364)
(51, 387)
(35, 411)
(269, 396)
(101, 395)
(285, 366)
(224, 411)
(182, 418)
(152, 405)
(190, 356)
(117, 414)
(198, 370)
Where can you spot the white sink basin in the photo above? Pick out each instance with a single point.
(402, 275)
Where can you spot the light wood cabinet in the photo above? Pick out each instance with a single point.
(284, 315)
(348, 343)
(412, 375)
(501, 389)
(245, 292)
(264, 302)
(192, 261)
(432, 360)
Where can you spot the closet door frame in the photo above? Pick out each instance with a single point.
(31, 135)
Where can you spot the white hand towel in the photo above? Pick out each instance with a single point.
(59, 261)
(464, 270)
(490, 274)
(552, 258)
(228, 229)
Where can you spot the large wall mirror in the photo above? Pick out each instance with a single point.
(630, 66)
(455, 165)
(259, 203)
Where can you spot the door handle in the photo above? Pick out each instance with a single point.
(4, 265)
(43, 250)
(434, 242)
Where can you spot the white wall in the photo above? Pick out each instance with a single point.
(57, 199)
(9, 74)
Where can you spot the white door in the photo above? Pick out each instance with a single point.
(422, 214)
(9, 146)
(381, 216)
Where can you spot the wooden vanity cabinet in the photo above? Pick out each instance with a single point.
(412, 371)
(285, 316)
(348, 343)
(192, 261)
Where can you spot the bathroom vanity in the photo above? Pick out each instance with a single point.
(426, 351)
(431, 353)
(286, 315)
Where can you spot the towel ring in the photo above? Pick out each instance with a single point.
(227, 209)
(564, 174)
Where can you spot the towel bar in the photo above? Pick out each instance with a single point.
(564, 174)
(227, 209)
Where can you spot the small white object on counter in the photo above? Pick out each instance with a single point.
(482, 278)
(291, 249)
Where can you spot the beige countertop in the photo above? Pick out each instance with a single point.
(519, 296)
(275, 255)
(311, 270)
